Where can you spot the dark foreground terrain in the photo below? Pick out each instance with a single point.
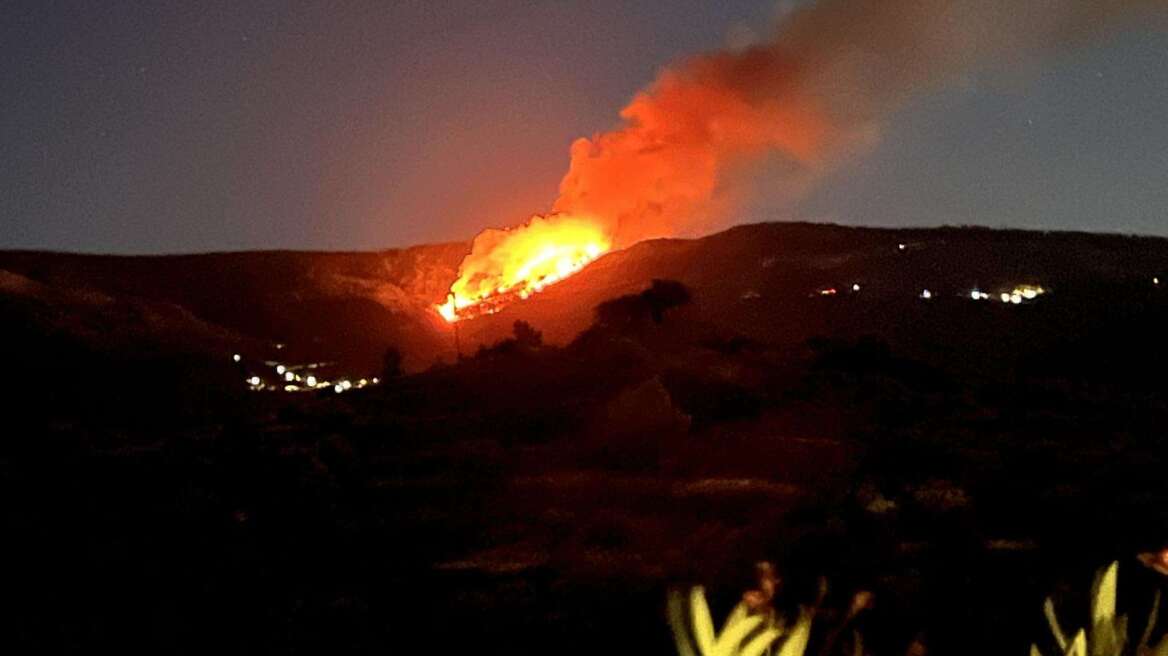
(959, 458)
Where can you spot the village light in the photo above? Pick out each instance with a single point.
(856, 287)
(280, 369)
(235, 357)
(311, 380)
(926, 294)
(338, 388)
(289, 376)
(254, 381)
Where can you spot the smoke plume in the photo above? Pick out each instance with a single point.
(818, 90)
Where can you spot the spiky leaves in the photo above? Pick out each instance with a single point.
(1107, 635)
(744, 633)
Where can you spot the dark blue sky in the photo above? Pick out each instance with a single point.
(189, 126)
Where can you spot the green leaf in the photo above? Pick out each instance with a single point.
(1078, 645)
(796, 642)
(703, 624)
(740, 612)
(1103, 595)
(737, 628)
(1151, 626)
(676, 611)
(1052, 620)
(760, 642)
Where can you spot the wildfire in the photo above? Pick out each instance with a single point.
(816, 93)
(509, 265)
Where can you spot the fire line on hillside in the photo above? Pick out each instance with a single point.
(521, 262)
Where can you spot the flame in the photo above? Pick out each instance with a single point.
(509, 265)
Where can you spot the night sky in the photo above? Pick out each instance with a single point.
(176, 126)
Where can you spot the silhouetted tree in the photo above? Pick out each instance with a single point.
(653, 303)
(665, 295)
(526, 335)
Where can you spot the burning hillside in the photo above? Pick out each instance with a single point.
(817, 92)
(509, 265)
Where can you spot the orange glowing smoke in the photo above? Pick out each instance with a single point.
(657, 176)
(818, 91)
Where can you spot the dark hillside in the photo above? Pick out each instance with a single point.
(958, 458)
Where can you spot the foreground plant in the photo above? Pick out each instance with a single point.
(1107, 635)
(754, 627)
(745, 633)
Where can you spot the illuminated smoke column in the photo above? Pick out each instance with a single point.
(816, 92)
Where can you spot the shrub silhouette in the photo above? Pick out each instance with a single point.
(653, 303)
(526, 335)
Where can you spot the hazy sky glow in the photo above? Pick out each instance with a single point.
(192, 126)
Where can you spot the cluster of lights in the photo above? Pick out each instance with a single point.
(1022, 293)
(288, 380)
(1016, 296)
(832, 291)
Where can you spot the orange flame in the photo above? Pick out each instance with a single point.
(509, 265)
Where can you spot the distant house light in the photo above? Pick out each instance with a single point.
(280, 369)
(900, 247)
(926, 294)
(311, 380)
(338, 388)
(855, 287)
(1022, 293)
(254, 381)
(1155, 281)
(235, 357)
(289, 376)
